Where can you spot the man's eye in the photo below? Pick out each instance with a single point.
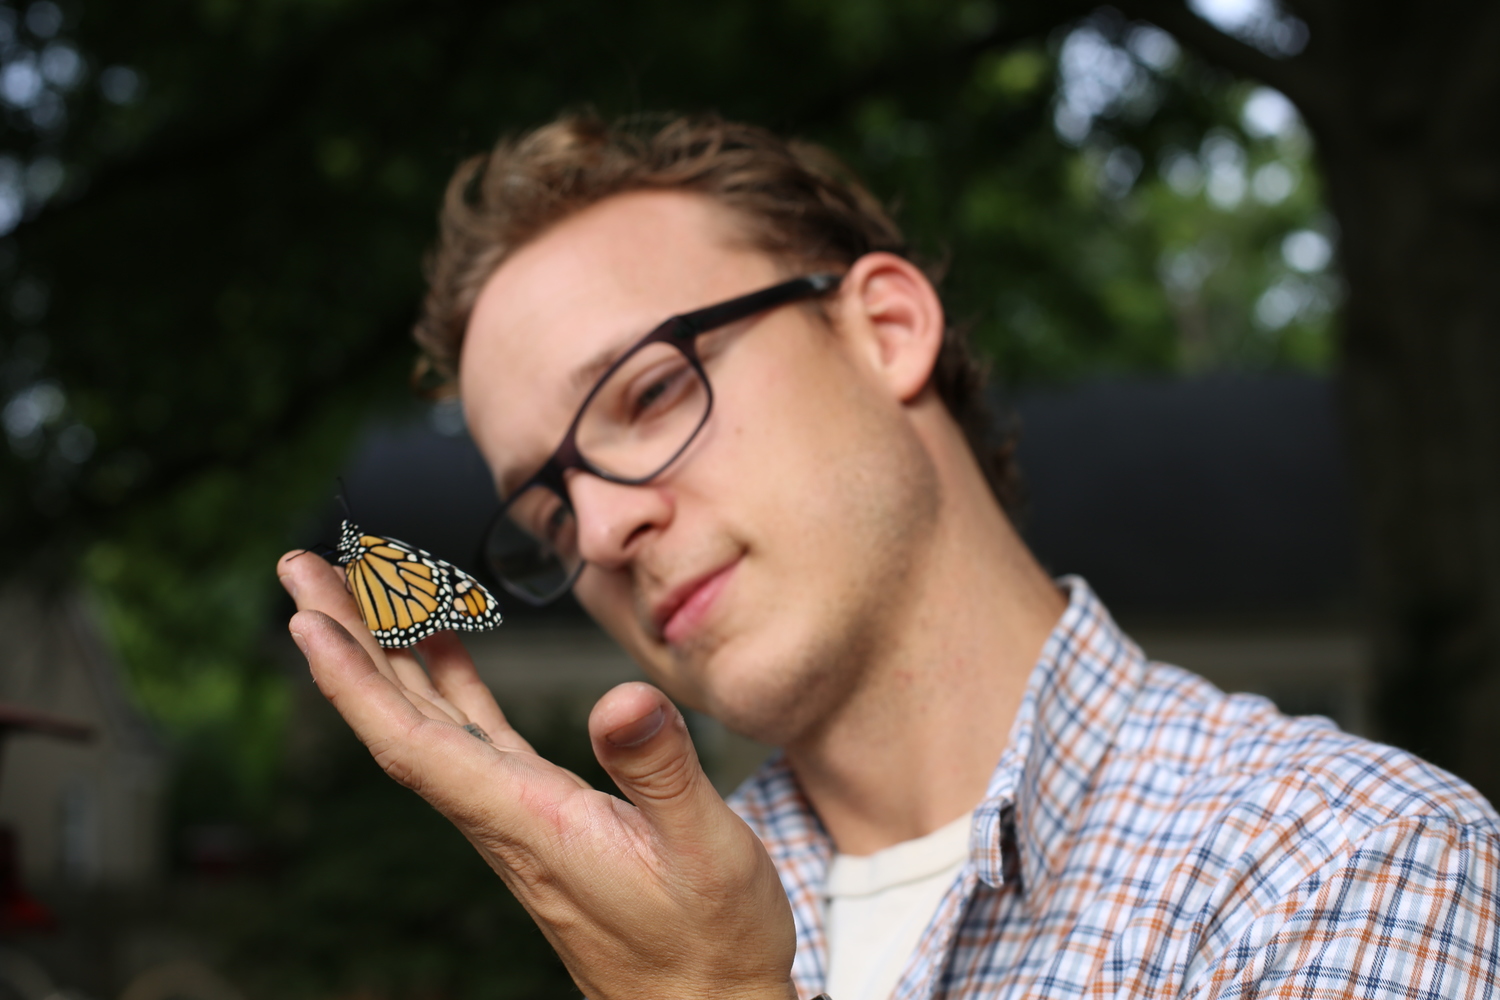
(555, 521)
(544, 522)
(656, 390)
(658, 393)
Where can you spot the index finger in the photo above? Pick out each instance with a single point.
(316, 586)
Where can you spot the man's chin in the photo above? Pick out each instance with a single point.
(776, 705)
(763, 685)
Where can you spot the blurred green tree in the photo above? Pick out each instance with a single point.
(218, 211)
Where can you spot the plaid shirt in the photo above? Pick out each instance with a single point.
(1146, 835)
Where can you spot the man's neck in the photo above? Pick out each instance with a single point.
(914, 747)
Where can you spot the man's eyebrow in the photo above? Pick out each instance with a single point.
(586, 374)
(581, 380)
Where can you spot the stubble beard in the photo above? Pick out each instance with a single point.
(788, 696)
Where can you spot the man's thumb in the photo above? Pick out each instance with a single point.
(642, 741)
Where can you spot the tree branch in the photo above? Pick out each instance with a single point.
(1296, 77)
(1320, 16)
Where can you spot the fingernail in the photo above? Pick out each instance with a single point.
(635, 733)
(301, 642)
(290, 585)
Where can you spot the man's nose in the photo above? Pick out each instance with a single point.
(613, 520)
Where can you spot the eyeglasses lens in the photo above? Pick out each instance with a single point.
(532, 547)
(637, 421)
(643, 414)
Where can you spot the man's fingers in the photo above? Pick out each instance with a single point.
(372, 705)
(642, 741)
(338, 658)
(452, 672)
(415, 680)
(317, 586)
(388, 720)
(483, 788)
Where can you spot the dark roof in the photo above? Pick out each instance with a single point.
(1210, 496)
(1217, 495)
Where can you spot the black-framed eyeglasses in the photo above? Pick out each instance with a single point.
(644, 411)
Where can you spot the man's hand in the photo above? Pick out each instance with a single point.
(671, 896)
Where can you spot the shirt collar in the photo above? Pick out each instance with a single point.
(1076, 700)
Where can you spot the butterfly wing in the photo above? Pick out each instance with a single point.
(472, 607)
(405, 594)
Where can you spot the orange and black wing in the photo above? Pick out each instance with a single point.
(472, 608)
(405, 595)
(399, 593)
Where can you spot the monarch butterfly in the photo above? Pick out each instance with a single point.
(405, 594)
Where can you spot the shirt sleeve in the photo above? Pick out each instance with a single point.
(1410, 911)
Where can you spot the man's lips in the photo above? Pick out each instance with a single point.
(687, 604)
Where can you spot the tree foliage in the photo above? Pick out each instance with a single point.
(218, 211)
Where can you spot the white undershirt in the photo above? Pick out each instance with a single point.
(879, 905)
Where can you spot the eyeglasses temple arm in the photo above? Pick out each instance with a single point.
(812, 285)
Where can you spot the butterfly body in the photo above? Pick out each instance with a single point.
(405, 594)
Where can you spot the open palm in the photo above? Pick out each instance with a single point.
(669, 894)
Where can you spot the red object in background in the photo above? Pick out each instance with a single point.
(19, 910)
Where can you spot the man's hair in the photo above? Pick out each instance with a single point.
(795, 200)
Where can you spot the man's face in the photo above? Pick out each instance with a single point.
(753, 578)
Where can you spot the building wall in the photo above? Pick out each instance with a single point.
(88, 813)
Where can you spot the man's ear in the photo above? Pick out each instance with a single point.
(892, 314)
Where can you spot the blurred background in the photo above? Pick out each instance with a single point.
(1234, 262)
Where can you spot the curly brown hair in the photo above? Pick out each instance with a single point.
(797, 202)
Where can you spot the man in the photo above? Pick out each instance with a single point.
(984, 790)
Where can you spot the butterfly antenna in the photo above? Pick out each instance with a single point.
(343, 497)
(327, 552)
